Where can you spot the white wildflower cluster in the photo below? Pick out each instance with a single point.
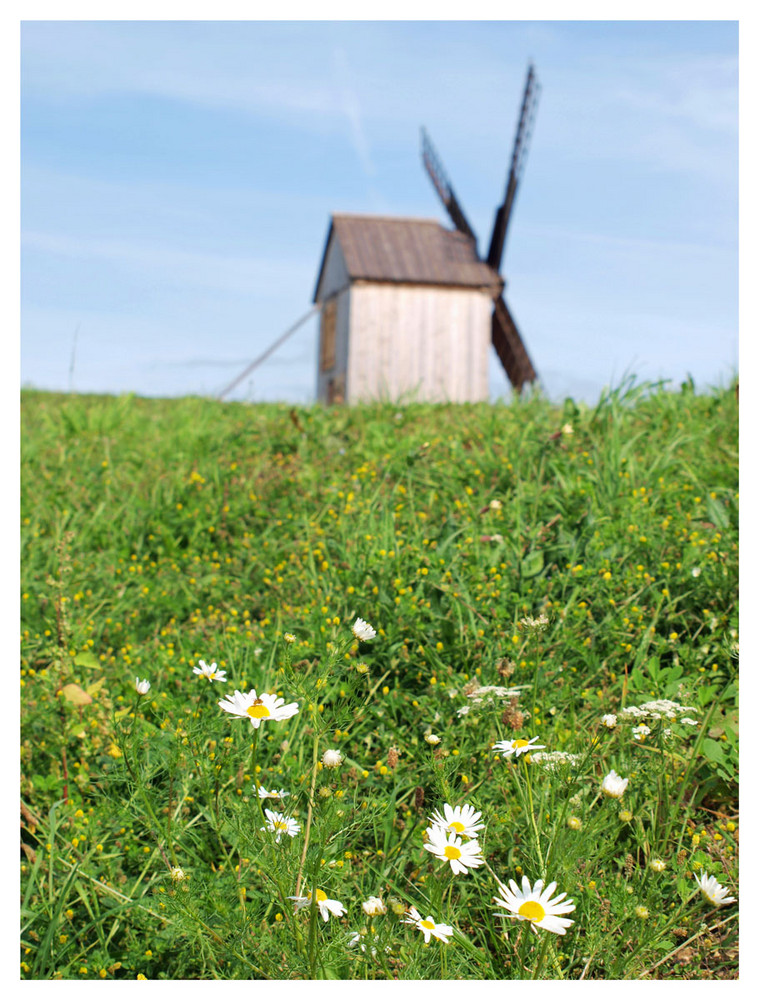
(539, 624)
(489, 694)
(554, 759)
(662, 708)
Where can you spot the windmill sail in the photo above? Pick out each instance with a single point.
(518, 158)
(506, 339)
(509, 346)
(443, 187)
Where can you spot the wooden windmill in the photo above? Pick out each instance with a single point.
(409, 308)
(506, 339)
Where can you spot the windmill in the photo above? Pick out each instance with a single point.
(408, 309)
(505, 336)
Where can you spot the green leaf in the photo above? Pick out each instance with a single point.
(713, 751)
(93, 689)
(532, 564)
(87, 659)
(718, 514)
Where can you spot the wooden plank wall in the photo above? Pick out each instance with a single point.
(418, 342)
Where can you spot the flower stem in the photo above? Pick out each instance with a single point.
(311, 793)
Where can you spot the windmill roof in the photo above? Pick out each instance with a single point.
(408, 251)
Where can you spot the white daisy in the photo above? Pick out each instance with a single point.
(278, 794)
(142, 687)
(614, 785)
(713, 891)
(363, 630)
(212, 672)
(449, 847)
(277, 823)
(461, 820)
(428, 926)
(374, 907)
(535, 904)
(326, 906)
(332, 758)
(508, 747)
(257, 708)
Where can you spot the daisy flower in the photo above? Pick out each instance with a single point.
(264, 794)
(141, 687)
(428, 927)
(363, 630)
(713, 891)
(535, 904)
(277, 823)
(613, 785)
(212, 672)
(374, 907)
(461, 820)
(449, 847)
(258, 707)
(508, 747)
(326, 906)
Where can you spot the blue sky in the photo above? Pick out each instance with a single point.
(178, 178)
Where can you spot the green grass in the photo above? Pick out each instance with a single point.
(157, 533)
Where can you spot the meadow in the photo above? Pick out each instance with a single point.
(420, 692)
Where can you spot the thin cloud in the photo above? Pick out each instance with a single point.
(244, 275)
(352, 110)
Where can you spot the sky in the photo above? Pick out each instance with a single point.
(178, 177)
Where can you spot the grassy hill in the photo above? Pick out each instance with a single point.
(528, 570)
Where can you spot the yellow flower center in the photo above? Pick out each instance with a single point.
(427, 924)
(518, 744)
(258, 710)
(452, 853)
(532, 910)
(321, 895)
(456, 826)
(280, 825)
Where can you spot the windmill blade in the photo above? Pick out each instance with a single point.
(443, 187)
(518, 159)
(509, 346)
